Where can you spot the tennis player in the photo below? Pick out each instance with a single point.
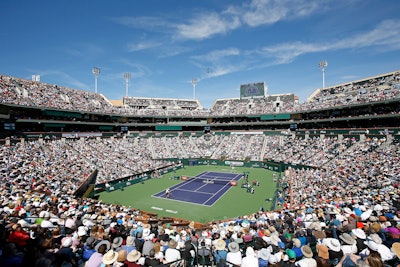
(167, 193)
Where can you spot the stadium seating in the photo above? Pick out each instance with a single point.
(349, 185)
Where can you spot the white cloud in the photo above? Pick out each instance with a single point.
(134, 47)
(145, 22)
(217, 55)
(386, 36)
(205, 25)
(266, 12)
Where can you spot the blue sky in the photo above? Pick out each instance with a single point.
(164, 44)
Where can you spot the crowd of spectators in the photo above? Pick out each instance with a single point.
(38, 94)
(375, 89)
(52, 229)
(260, 105)
(117, 158)
(345, 213)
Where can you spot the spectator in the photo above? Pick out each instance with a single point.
(66, 256)
(322, 256)
(133, 258)
(234, 255)
(250, 260)
(97, 257)
(172, 255)
(220, 253)
(18, 236)
(10, 257)
(151, 261)
(307, 260)
(110, 257)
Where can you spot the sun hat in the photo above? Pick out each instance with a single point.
(323, 251)
(264, 254)
(307, 252)
(275, 239)
(130, 241)
(372, 245)
(110, 257)
(103, 242)
(272, 259)
(296, 242)
(66, 241)
(332, 244)
(233, 247)
(172, 243)
(385, 252)
(396, 249)
(347, 210)
(82, 230)
(348, 239)
(220, 245)
(376, 238)
(117, 241)
(146, 232)
(133, 256)
(183, 233)
(245, 224)
(359, 233)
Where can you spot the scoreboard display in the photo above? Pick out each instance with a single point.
(252, 90)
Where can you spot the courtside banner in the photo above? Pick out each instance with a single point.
(234, 163)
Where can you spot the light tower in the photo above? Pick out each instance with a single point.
(323, 64)
(127, 77)
(194, 83)
(96, 72)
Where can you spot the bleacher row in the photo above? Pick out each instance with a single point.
(116, 158)
(37, 94)
(38, 177)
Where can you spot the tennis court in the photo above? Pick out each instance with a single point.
(203, 189)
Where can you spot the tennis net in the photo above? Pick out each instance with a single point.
(209, 180)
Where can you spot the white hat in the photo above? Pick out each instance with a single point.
(66, 241)
(359, 233)
(347, 238)
(275, 239)
(371, 245)
(220, 244)
(385, 252)
(82, 231)
(103, 242)
(376, 238)
(332, 244)
(117, 241)
(110, 257)
(130, 241)
(133, 256)
(146, 232)
(87, 223)
(272, 259)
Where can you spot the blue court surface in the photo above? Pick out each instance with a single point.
(203, 189)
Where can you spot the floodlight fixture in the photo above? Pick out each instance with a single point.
(194, 83)
(96, 72)
(323, 64)
(127, 77)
